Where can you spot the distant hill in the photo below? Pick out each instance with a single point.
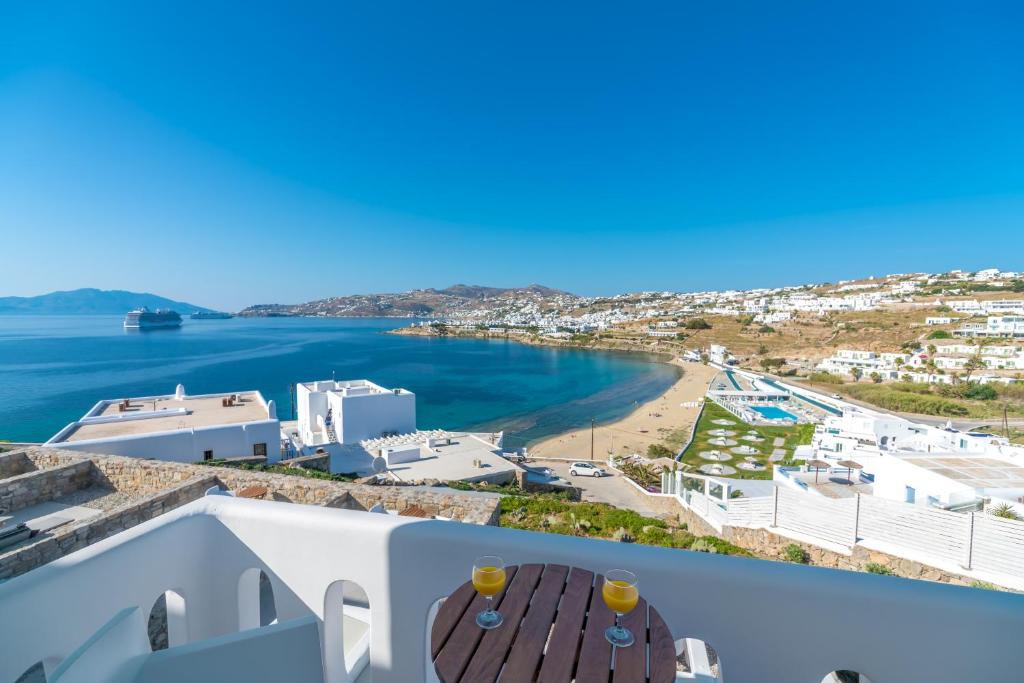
(90, 301)
(417, 303)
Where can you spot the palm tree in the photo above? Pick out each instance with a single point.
(973, 363)
(857, 374)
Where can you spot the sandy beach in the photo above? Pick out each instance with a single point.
(635, 432)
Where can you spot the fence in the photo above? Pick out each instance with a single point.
(965, 540)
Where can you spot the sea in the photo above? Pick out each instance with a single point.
(54, 368)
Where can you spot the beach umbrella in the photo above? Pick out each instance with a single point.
(850, 466)
(817, 465)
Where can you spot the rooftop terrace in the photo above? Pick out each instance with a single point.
(976, 472)
(135, 416)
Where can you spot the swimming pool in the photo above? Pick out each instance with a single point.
(773, 413)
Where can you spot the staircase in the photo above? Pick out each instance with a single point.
(331, 436)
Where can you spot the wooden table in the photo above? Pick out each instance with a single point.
(537, 596)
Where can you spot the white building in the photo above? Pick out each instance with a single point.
(938, 320)
(718, 354)
(846, 360)
(178, 427)
(923, 464)
(348, 412)
(1010, 326)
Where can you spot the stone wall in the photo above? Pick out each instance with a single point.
(163, 486)
(151, 476)
(144, 476)
(48, 458)
(471, 507)
(34, 487)
(318, 461)
(14, 463)
(768, 544)
(67, 539)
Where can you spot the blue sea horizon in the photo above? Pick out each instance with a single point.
(54, 368)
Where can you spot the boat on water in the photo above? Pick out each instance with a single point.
(145, 319)
(210, 315)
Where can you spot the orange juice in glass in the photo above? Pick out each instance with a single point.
(489, 580)
(620, 594)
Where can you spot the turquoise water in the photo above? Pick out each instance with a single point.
(54, 368)
(773, 413)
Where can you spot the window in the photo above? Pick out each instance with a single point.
(207, 455)
(259, 449)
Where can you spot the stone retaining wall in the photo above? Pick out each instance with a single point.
(151, 476)
(318, 461)
(769, 545)
(67, 539)
(38, 486)
(473, 508)
(14, 463)
(160, 486)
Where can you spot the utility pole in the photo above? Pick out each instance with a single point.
(592, 421)
(291, 397)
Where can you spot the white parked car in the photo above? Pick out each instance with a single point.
(586, 469)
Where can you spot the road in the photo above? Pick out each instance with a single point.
(612, 489)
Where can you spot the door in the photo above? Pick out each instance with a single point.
(911, 495)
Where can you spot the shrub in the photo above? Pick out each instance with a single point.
(282, 469)
(984, 585)
(825, 378)
(698, 324)
(702, 546)
(720, 546)
(940, 334)
(794, 553)
(1006, 511)
(875, 568)
(897, 399)
(980, 392)
(623, 536)
(656, 450)
(766, 329)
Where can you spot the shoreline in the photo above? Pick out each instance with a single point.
(651, 422)
(668, 351)
(648, 423)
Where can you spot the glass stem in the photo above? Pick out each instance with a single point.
(490, 604)
(618, 623)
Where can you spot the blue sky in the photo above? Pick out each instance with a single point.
(238, 153)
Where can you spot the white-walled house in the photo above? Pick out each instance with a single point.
(996, 326)
(178, 427)
(846, 360)
(718, 354)
(348, 412)
(947, 480)
(923, 464)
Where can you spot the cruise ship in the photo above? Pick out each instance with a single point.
(210, 315)
(145, 319)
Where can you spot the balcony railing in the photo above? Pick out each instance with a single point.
(767, 621)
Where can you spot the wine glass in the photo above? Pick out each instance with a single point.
(488, 580)
(620, 595)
